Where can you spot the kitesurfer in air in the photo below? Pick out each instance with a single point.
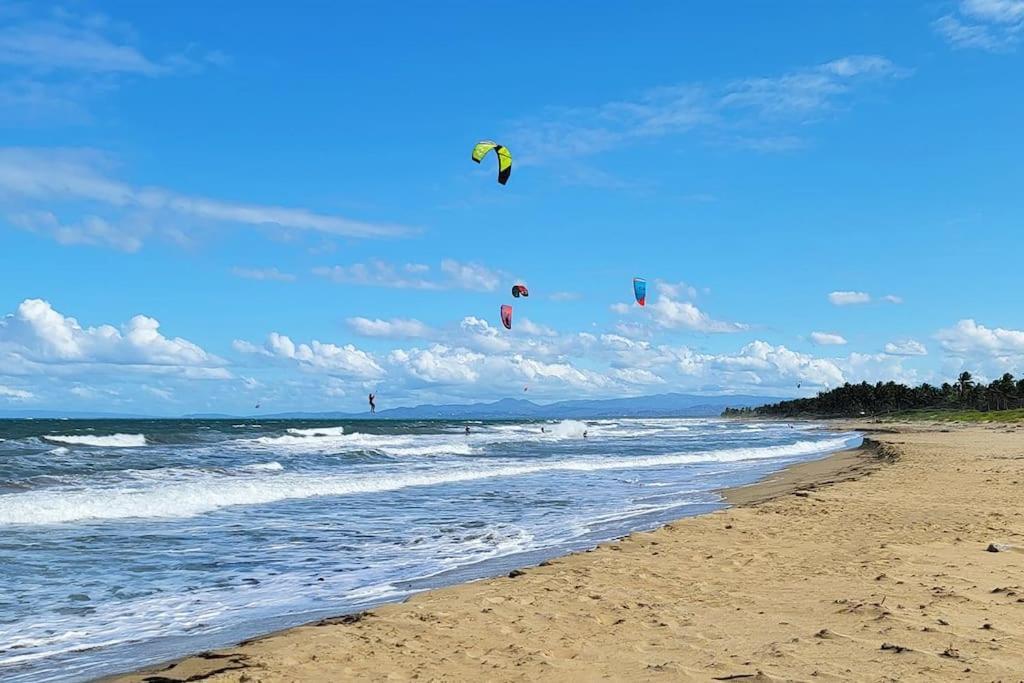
(373, 403)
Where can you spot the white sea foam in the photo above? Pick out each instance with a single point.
(264, 467)
(212, 492)
(112, 441)
(318, 431)
(388, 444)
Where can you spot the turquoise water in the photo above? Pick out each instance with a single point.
(129, 542)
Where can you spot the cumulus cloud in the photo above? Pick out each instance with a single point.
(827, 339)
(892, 299)
(37, 335)
(378, 273)
(443, 364)
(346, 360)
(909, 347)
(768, 364)
(262, 274)
(395, 328)
(849, 298)
(968, 337)
(671, 314)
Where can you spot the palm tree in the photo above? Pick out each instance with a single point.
(964, 383)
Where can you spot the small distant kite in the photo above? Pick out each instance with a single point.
(520, 290)
(504, 157)
(506, 316)
(640, 290)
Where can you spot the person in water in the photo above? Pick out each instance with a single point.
(584, 433)
(373, 404)
(467, 430)
(541, 430)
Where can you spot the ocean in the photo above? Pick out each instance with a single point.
(126, 543)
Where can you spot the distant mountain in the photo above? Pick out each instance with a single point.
(68, 415)
(661, 405)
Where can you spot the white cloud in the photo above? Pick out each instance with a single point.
(892, 299)
(529, 327)
(638, 376)
(395, 328)
(968, 337)
(12, 394)
(55, 61)
(568, 133)
(440, 364)
(827, 339)
(676, 290)
(448, 365)
(262, 274)
(89, 230)
(849, 298)
(777, 365)
(77, 178)
(344, 360)
(161, 393)
(671, 314)
(471, 276)
(992, 25)
(810, 90)
(909, 347)
(69, 43)
(481, 335)
(36, 336)
(620, 308)
(377, 273)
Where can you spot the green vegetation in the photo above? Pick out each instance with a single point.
(1016, 415)
(999, 401)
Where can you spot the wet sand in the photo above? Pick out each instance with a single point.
(871, 564)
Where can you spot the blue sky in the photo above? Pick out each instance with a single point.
(202, 207)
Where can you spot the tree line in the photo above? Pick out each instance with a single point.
(965, 393)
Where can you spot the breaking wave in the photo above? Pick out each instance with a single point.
(195, 497)
(112, 441)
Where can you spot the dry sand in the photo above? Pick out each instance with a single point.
(822, 573)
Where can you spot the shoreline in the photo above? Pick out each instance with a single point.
(844, 465)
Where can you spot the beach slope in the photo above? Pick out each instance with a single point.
(821, 573)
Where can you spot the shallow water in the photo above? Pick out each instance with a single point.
(129, 542)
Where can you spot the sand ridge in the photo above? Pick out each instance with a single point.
(821, 574)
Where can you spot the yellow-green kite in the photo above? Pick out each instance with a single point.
(504, 157)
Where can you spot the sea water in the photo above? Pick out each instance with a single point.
(124, 543)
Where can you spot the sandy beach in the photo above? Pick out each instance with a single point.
(903, 560)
